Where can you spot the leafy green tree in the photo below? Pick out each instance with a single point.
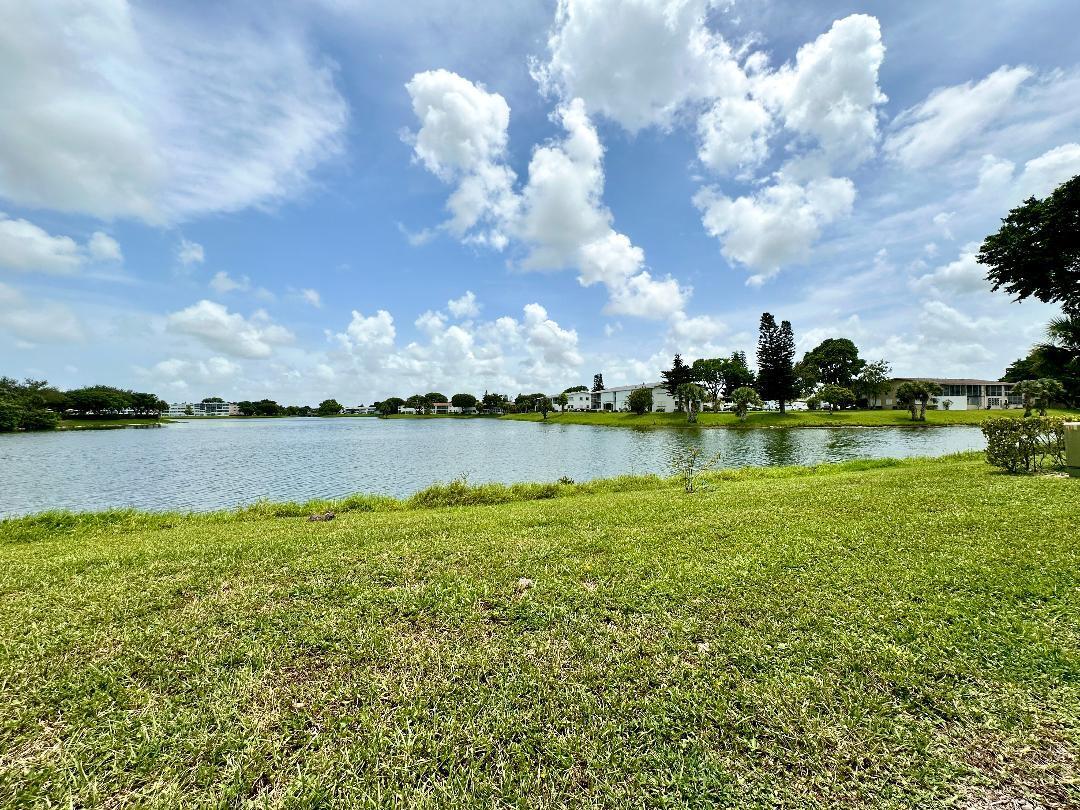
(598, 382)
(1036, 252)
(872, 382)
(208, 400)
(743, 398)
(709, 374)
(542, 404)
(1039, 394)
(677, 375)
(690, 396)
(776, 361)
(736, 373)
(834, 361)
(435, 396)
(329, 407)
(837, 396)
(246, 407)
(389, 406)
(463, 401)
(98, 400)
(640, 400)
(493, 401)
(267, 407)
(575, 388)
(189, 411)
(915, 394)
(418, 402)
(562, 401)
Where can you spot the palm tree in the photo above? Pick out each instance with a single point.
(690, 394)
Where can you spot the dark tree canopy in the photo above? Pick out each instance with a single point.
(575, 388)
(834, 361)
(1036, 252)
(598, 382)
(640, 400)
(677, 375)
(463, 401)
(329, 407)
(776, 361)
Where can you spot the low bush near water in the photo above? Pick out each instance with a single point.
(1030, 445)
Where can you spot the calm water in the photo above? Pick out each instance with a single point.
(204, 465)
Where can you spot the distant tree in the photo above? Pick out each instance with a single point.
(837, 396)
(1038, 394)
(418, 402)
(493, 401)
(677, 375)
(246, 407)
(915, 395)
(25, 405)
(562, 401)
(872, 382)
(709, 374)
(1036, 252)
(463, 401)
(736, 373)
(744, 398)
(690, 395)
(598, 382)
(542, 404)
(575, 388)
(834, 361)
(435, 396)
(813, 402)
(640, 400)
(267, 407)
(189, 411)
(98, 400)
(329, 407)
(776, 361)
(208, 400)
(389, 405)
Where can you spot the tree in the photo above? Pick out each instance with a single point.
(640, 400)
(562, 401)
(575, 388)
(834, 361)
(98, 400)
(744, 398)
(26, 405)
(677, 375)
(736, 373)
(542, 404)
(493, 401)
(189, 411)
(776, 358)
(1036, 252)
(418, 402)
(208, 400)
(598, 382)
(915, 394)
(389, 406)
(329, 407)
(872, 382)
(1038, 394)
(435, 396)
(689, 395)
(463, 401)
(267, 407)
(837, 396)
(710, 375)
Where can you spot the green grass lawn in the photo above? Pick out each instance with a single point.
(759, 419)
(108, 424)
(876, 634)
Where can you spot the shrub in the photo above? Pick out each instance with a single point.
(39, 419)
(1025, 444)
(743, 398)
(640, 400)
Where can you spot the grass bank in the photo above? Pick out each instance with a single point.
(761, 419)
(111, 424)
(875, 634)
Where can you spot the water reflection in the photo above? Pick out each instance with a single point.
(201, 465)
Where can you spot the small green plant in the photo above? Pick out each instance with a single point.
(689, 462)
(1025, 445)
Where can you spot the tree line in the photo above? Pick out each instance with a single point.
(36, 405)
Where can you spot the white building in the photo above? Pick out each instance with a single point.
(615, 398)
(961, 394)
(202, 409)
(358, 410)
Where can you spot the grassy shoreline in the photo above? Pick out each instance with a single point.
(112, 424)
(873, 634)
(763, 419)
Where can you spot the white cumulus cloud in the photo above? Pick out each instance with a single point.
(27, 247)
(229, 332)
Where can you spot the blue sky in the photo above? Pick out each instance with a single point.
(357, 199)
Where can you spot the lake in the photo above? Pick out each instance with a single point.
(202, 465)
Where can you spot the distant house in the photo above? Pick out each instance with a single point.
(447, 408)
(961, 394)
(616, 397)
(359, 410)
(202, 409)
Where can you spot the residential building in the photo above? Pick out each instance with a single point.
(203, 409)
(961, 394)
(615, 398)
(359, 410)
(576, 401)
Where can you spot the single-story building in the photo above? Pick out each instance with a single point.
(961, 394)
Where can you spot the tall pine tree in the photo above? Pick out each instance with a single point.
(598, 382)
(680, 373)
(776, 361)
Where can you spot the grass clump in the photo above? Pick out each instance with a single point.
(885, 634)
